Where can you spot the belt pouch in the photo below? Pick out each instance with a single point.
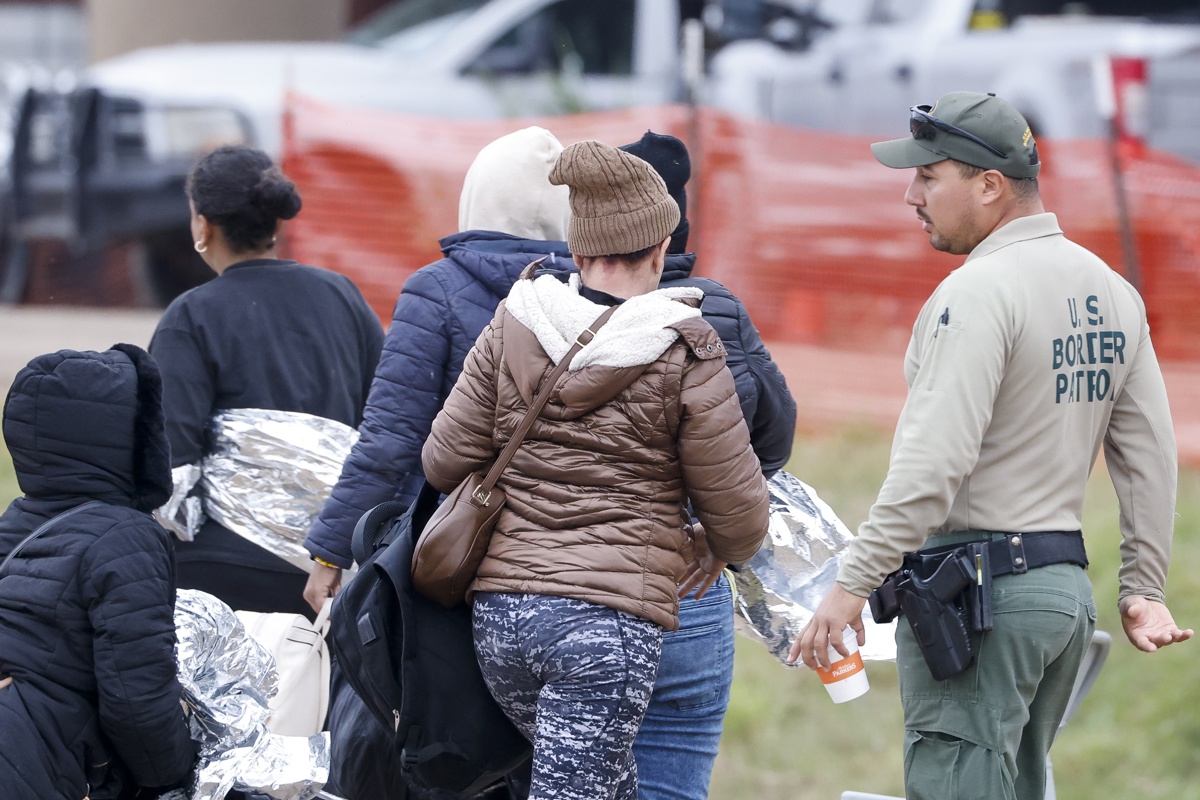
(979, 596)
(885, 601)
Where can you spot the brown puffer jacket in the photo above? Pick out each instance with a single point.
(645, 418)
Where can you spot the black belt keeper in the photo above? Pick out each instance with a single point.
(1017, 553)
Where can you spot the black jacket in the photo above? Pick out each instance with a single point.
(768, 406)
(265, 334)
(441, 311)
(86, 610)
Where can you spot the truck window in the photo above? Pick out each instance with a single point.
(414, 25)
(895, 12)
(572, 35)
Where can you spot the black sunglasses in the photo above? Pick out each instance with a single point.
(922, 125)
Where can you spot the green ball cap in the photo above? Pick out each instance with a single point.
(983, 116)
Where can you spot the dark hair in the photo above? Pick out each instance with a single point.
(628, 259)
(239, 189)
(1023, 188)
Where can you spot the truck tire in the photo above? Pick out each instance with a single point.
(166, 266)
(14, 266)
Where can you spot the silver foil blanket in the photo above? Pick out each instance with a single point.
(228, 680)
(266, 478)
(781, 586)
(181, 514)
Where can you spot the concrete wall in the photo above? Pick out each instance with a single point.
(117, 26)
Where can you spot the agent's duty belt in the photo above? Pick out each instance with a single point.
(1019, 552)
(946, 591)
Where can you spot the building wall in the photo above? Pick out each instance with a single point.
(118, 26)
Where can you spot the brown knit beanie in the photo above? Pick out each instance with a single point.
(619, 204)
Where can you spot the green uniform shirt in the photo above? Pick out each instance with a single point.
(1022, 362)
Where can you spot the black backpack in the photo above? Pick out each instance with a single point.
(412, 664)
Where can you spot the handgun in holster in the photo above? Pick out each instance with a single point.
(937, 617)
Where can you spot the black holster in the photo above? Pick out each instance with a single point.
(935, 595)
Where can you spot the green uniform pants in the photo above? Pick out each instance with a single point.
(985, 733)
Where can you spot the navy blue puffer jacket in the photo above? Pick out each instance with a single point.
(441, 311)
(86, 610)
(768, 406)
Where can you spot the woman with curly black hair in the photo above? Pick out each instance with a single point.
(267, 333)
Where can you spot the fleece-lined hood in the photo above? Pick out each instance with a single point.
(87, 424)
(553, 314)
(507, 188)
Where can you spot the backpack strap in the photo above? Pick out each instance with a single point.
(45, 526)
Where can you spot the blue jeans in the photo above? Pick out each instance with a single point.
(677, 744)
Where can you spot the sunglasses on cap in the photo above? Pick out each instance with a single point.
(923, 125)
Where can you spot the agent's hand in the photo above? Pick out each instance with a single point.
(839, 609)
(324, 582)
(1149, 625)
(705, 568)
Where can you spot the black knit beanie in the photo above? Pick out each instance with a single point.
(670, 159)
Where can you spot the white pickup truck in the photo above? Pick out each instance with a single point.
(878, 57)
(447, 58)
(846, 65)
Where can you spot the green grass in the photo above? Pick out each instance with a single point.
(1136, 735)
(8, 481)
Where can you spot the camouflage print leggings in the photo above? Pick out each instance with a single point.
(575, 678)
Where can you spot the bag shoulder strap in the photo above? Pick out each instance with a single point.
(539, 402)
(45, 526)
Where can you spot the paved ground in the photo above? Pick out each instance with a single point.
(831, 387)
(27, 331)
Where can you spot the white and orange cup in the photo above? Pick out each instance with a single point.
(846, 677)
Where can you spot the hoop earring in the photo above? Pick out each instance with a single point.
(199, 247)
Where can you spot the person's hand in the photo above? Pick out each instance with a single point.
(1149, 625)
(323, 583)
(705, 568)
(839, 609)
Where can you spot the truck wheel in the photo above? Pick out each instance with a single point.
(166, 266)
(14, 268)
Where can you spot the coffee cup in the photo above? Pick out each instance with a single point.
(846, 678)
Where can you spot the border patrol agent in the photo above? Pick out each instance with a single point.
(1022, 363)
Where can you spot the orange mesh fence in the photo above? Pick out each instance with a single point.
(805, 226)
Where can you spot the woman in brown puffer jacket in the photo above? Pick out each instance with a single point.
(582, 572)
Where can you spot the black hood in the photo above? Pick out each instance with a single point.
(87, 424)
